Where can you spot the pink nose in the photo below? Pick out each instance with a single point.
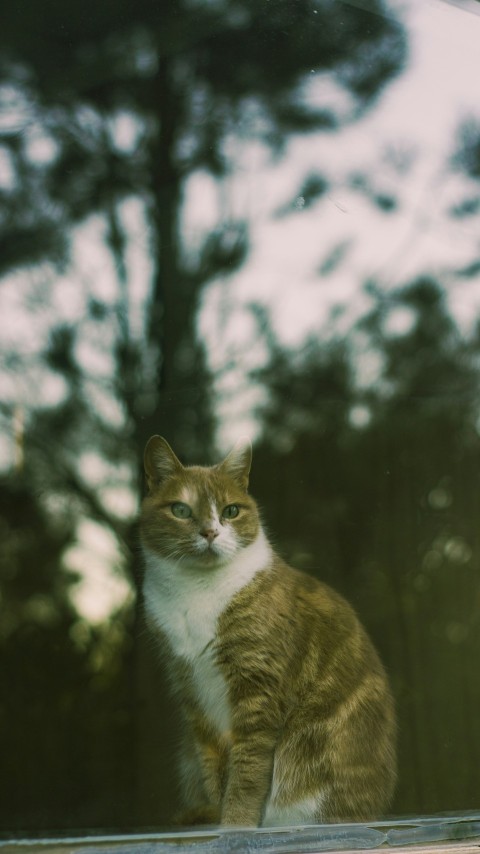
(209, 534)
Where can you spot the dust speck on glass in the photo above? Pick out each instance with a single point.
(224, 219)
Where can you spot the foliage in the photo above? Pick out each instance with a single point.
(67, 704)
(384, 509)
(102, 104)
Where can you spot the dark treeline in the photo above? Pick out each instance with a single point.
(373, 490)
(386, 512)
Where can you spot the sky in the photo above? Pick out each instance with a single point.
(416, 120)
(403, 146)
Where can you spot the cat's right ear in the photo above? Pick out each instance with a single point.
(159, 460)
(237, 463)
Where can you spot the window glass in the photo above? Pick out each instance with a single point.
(222, 218)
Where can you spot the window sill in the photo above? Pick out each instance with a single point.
(456, 834)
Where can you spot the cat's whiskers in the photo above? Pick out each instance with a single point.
(178, 555)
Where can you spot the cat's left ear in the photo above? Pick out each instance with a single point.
(159, 460)
(237, 463)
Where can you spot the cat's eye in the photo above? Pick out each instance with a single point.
(181, 510)
(230, 511)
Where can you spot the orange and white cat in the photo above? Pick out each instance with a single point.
(287, 713)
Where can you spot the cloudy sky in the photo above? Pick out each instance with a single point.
(403, 147)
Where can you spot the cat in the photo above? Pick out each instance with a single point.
(287, 713)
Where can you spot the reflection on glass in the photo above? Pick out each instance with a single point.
(222, 218)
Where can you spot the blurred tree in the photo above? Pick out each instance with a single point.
(466, 161)
(467, 155)
(114, 101)
(65, 704)
(184, 78)
(425, 426)
(375, 489)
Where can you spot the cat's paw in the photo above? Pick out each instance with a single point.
(205, 814)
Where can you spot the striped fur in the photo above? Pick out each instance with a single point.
(288, 716)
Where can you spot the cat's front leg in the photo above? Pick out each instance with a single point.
(202, 768)
(249, 778)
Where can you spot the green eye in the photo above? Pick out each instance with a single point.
(181, 510)
(230, 511)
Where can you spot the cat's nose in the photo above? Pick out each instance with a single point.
(209, 534)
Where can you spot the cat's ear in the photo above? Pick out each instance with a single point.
(159, 460)
(237, 463)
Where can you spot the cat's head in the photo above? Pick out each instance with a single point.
(197, 516)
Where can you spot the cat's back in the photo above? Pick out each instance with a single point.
(291, 622)
(283, 596)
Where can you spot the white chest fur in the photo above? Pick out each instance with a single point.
(186, 603)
